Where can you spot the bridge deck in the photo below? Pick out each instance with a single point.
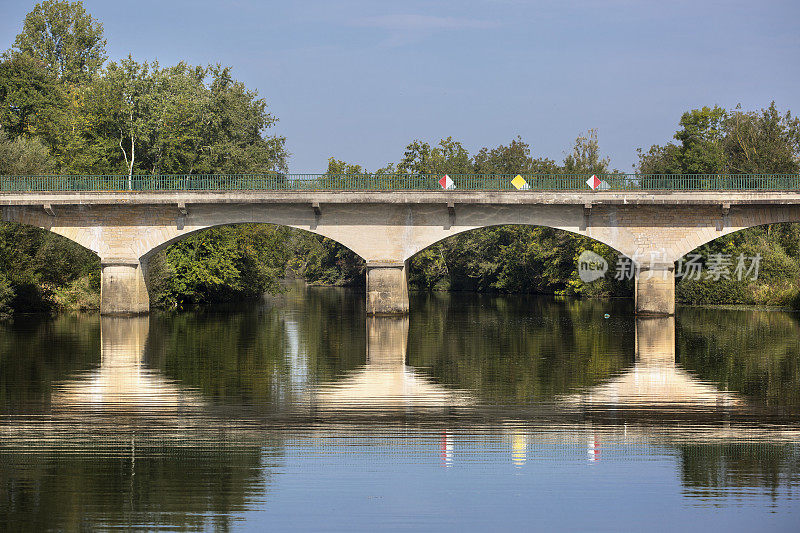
(626, 197)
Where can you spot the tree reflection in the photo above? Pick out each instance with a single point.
(262, 356)
(714, 470)
(518, 349)
(124, 445)
(25, 376)
(655, 383)
(754, 352)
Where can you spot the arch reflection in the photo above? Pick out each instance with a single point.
(385, 384)
(123, 381)
(656, 381)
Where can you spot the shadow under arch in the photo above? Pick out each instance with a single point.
(291, 228)
(711, 274)
(287, 241)
(52, 259)
(736, 221)
(515, 234)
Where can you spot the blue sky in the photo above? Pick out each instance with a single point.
(359, 80)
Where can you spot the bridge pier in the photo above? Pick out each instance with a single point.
(122, 288)
(387, 288)
(655, 290)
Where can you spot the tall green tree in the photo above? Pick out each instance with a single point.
(716, 141)
(701, 140)
(122, 97)
(701, 149)
(178, 119)
(141, 118)
(237, 122)
(32, 102)
(763, 141)
(65, 37)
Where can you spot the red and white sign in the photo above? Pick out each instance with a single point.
(593, 182)
(446, 182)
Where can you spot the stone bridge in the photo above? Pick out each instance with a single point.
(387, 228)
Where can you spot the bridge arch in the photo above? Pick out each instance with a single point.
(181, 235)
(41, 219)
(572, 231)
(48, 268)
(734, 220)
(556, 232)
(174, 236)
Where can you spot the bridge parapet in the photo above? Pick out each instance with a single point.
(276, 181)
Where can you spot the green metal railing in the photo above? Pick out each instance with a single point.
(400, 182)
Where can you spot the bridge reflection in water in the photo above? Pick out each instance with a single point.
(123, 381)
(656, 381)
(125, 409)
(385, 385)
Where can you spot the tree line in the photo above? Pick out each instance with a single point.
(65, 108)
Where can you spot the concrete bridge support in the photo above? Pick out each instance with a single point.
(122, 288)
(655, 290)
(387, 288)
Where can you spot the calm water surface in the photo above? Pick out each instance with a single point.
(474, 413)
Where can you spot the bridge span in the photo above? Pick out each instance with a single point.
(387, 227)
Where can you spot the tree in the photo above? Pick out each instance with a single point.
(448, 156)
(179, 113)
(236, 121)
(222, 264)
(701, 148)
(66, 38)
(659, 160)
(172, 120)
(31, 100)
(585, 156)
(701, 141)
(23, 156)
(339, 167)
(512, 159)
(337, 174)
(762, 142)
(121, 98)
(715, 141)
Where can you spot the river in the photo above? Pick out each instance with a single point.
(475, 413)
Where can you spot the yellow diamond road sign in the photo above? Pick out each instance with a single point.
(520, 183)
